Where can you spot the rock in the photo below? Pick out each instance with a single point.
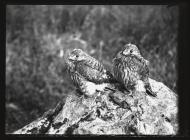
(112, 113)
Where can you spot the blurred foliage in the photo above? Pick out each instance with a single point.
(36, 77)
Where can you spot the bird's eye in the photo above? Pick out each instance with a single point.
(77, 56)
(131, 51)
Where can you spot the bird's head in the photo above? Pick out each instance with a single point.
(77, 55)
(130, 49)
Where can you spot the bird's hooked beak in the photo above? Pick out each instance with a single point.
(72, 58)
(126, 52)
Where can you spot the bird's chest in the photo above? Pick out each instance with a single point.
(127, 65)
(132, 64)
(127, 70)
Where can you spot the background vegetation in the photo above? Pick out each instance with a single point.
(35, 76)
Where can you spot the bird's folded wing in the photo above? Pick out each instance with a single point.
(92, 72)
(94, 64)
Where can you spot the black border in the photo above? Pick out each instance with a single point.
(183, 78)
(183, 70)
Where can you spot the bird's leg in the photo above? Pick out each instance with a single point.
(91, 105)
(130, 93)
(94, 100)
(132, 89)
(148, 87)
(98, 94)
(123, 89)
(80, 94)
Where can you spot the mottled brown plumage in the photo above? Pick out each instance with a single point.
(129, 67)
(87, 74)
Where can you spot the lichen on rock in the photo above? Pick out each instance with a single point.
(113, 113)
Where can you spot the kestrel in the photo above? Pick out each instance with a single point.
(87, 73)
(129, 67)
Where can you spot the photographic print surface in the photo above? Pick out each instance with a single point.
(91, 69)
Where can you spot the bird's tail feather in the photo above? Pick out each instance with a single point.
(150, 92)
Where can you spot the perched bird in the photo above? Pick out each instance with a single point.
(129, 67)
(87, 73)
